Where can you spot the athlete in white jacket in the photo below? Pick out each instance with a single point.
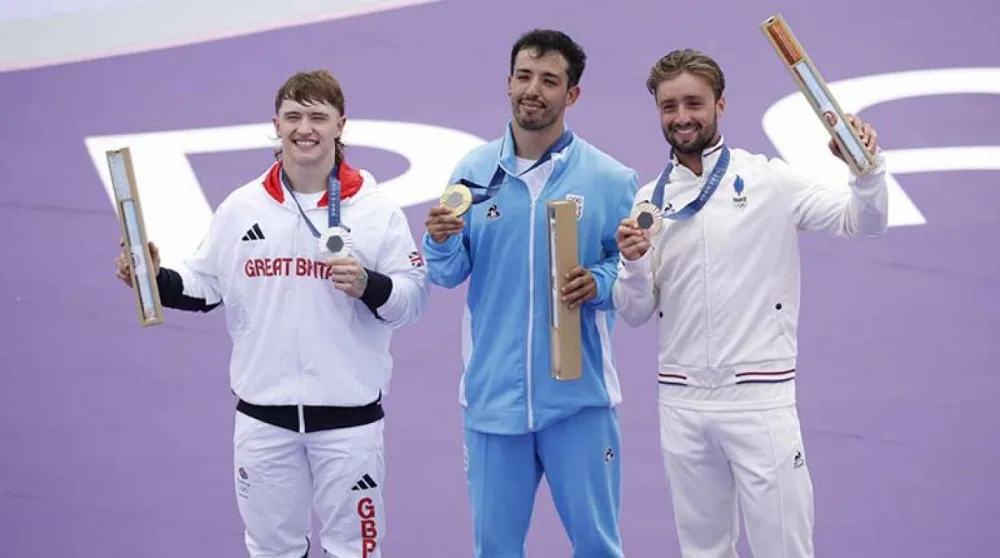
(310, 331)
(723, 281)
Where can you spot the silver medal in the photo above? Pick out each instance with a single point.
(336, 242)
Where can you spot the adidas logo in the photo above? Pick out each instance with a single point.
(254, 233)
(366, 483)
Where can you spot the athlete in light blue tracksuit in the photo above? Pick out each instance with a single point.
(519, 421)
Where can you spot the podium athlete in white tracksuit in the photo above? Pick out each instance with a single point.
(310, 331)
(723, 281)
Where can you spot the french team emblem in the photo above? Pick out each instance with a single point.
(739, 199)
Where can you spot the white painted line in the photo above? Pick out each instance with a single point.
(147, 25)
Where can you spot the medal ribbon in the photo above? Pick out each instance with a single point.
(494, 185)
(714, 179)
(333, 207)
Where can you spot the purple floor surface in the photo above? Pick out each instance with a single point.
(115, 441)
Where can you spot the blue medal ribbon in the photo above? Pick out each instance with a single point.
(333, 205)
(482, 193)
(714, 179)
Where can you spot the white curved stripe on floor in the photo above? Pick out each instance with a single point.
(49, 32)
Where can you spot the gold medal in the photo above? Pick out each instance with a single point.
(458, 198)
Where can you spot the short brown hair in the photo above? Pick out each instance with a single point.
(691, 61)
(318, 86)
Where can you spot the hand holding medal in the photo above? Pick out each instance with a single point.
(633, 238)
(445, 219)
(348, 275)
(648, 218)
(336, 242)
(345, 272)
(457, 198)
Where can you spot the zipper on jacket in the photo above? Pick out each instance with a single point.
(546, 186)
(706, 274)
(298, 336)
(531, 306)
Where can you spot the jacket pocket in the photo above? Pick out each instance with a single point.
(780, 312)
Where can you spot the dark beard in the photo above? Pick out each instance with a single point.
(544, 121)
(534, 125)
(707, 136)
(704, 139)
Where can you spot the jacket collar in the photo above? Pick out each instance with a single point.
(709, 156)
(350, 182)
(507, 158)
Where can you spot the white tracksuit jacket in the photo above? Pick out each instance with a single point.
(297, 340)
(724, 284)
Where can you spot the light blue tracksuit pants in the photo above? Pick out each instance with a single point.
(580, 459)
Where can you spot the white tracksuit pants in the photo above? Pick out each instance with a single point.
(717, 460)
(282, 476)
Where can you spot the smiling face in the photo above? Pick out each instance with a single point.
(689, 112)
(309, 119)
(308, 131)
(539, 89)
(688, 87)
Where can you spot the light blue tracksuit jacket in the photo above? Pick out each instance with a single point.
(507, 386)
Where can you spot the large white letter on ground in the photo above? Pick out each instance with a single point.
(801, 140)
(175, 207)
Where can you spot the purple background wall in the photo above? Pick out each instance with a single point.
(116, 441)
